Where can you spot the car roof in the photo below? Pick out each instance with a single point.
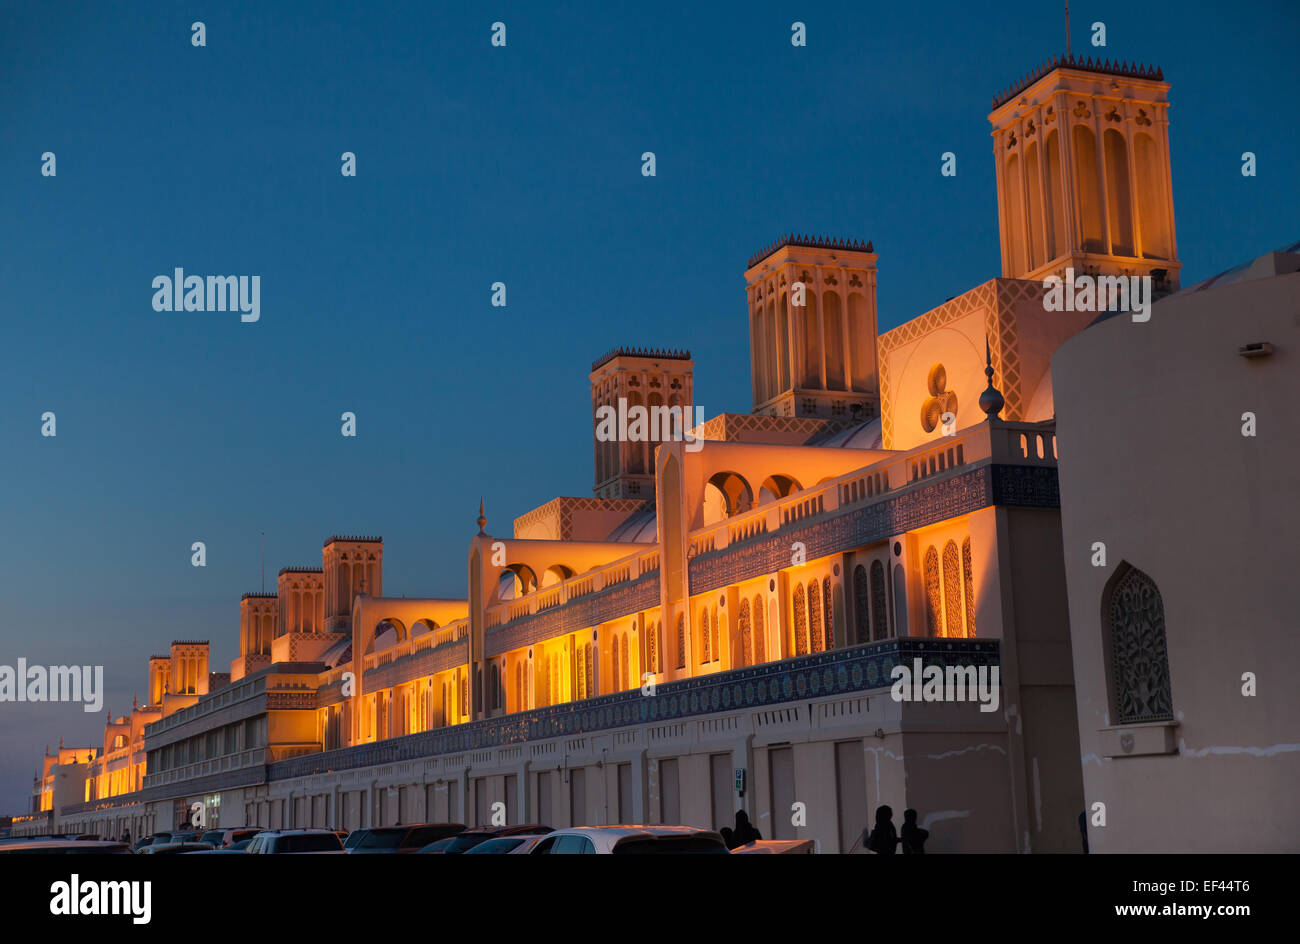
(622, 831)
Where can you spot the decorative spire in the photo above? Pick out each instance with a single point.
(991, 401)
(482, 518)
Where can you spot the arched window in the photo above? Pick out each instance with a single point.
(613, 662)
(815, 617)
(746, 635)
(969, 588)
(1133, 615)
(933, 603)
(582, 672)
(652, 646)
(800, 623)
(681, 640)
(626, 655)
(952, 591)
(861, 602)
(879, 609)
(704, 636)
(717, 636)
(591, 670)
(760, 632)
(829, 608)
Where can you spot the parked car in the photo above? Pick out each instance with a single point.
(506, 845)
(467, 840)
(141, 843)
(185, 835)
(227, 837)
(64, 847)
(379, 840)
(171, 848)
(291, 841)
(159, 839)
(631, 840)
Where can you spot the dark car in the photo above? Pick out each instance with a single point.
(381, 840)
(175, 848)
(463, 842)
(159, 839)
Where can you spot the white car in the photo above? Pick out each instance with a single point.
(630, 840)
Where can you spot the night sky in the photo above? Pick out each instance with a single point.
(474, 165)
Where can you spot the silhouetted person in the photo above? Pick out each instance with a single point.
(727, 837)
(883, 839)
(1083, 830)
(913, 837)
(744, 833)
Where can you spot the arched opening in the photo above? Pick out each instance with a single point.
(1016, 236)
(812, 342)
(777, 486)
(1153, 209)
(556, 573)
(834, 341)
(1034, 184)
(515, 581)
(735, 492)
(782, 345)
(862, 359)
(1089, 189)
(1119, 205)
(1056, 241)
(422, 627)
(388, 633)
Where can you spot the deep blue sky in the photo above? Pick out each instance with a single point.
(475, 164)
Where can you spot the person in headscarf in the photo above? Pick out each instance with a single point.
(913, 837)
(744, 833)
(883, 839)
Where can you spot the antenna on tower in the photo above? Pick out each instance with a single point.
(264, 562)
(1067, 29)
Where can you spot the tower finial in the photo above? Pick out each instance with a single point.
(991, 401)
(482, 518)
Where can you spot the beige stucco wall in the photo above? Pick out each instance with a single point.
(1154, 464)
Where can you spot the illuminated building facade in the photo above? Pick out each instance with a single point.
(715, 628)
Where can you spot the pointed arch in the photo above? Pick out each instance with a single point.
(933, 599)
(815, 616)
(968, 588)
(800, 623)
(952, 592)
(1133, 623)
(861, 604)
(746, 635)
